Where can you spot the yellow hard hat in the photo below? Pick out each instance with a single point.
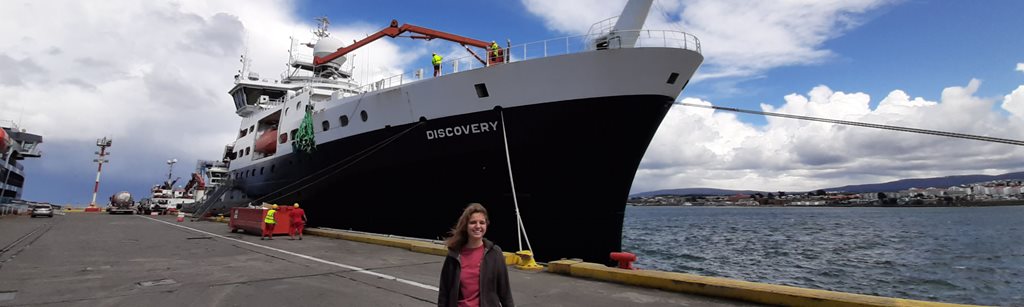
(274, 206)
(296, 205)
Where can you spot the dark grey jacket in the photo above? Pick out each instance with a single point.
(494, 287)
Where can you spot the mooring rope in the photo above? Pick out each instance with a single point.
(860, 124)
(521, 228)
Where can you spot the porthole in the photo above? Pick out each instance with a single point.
(326, 124)
(481, 90)
(672, 78)
(344, 120)
(363, 115)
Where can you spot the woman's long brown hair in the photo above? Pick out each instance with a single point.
(459, 236)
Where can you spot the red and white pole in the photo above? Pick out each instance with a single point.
(103, 144)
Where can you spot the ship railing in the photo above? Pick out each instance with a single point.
(546, 48)
(9, 124)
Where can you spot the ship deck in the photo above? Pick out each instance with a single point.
(88, 259)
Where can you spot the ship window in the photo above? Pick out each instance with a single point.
(284, 138)
(242, 133)
(297, 104)
(251, 128)
(247, 151)
(672, 78)
(327, 125)
(344, 120)
(261, 170)
(272, 167)
(285, 111)
(294, 131)
(481, 90)
(363, 115)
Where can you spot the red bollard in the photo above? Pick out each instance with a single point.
(625, 259)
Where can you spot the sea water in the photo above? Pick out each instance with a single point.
(969, 255)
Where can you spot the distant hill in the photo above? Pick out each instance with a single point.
(892, 186)
(693, 191)
(938, 182)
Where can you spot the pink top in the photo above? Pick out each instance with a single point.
(469, 278)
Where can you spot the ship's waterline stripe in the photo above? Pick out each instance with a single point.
(461, 130)
(311, 258)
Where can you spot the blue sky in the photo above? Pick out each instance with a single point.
(154, 76)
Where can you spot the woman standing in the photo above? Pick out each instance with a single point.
(474, 272)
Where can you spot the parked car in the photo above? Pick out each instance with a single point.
(42, 210)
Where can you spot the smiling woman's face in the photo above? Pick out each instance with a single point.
(477, 226)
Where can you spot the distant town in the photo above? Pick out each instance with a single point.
(990, 193)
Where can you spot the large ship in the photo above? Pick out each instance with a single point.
(547, 135)
(15, 145)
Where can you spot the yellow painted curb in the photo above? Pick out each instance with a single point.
(728, 288)
(412, 245)
(429, 248)
(510, 258)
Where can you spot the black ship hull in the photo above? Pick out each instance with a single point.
(573, 163)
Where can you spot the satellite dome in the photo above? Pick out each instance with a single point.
(326, 46)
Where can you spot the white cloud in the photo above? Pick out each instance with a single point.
(1020, 67)
(1014, 102)
(738, 38)
(153, 76)
(696, 147)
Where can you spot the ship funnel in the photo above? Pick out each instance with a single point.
(632, 19)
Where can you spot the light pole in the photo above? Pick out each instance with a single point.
(103, 144)
(170, 170)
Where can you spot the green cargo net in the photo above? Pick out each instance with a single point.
(304, 137)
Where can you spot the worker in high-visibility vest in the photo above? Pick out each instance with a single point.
(494, 52)
(436, 60)
(269, 222)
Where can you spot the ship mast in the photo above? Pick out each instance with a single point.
(321, 31)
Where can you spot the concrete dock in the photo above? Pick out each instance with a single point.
(95, 259)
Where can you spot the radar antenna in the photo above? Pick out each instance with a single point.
(321, 31)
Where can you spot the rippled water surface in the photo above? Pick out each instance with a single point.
(959, 255)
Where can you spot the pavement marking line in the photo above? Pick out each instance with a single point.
(341, 265)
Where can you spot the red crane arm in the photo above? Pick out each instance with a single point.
(393, 31)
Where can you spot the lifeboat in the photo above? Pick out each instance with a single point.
(267, 143)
